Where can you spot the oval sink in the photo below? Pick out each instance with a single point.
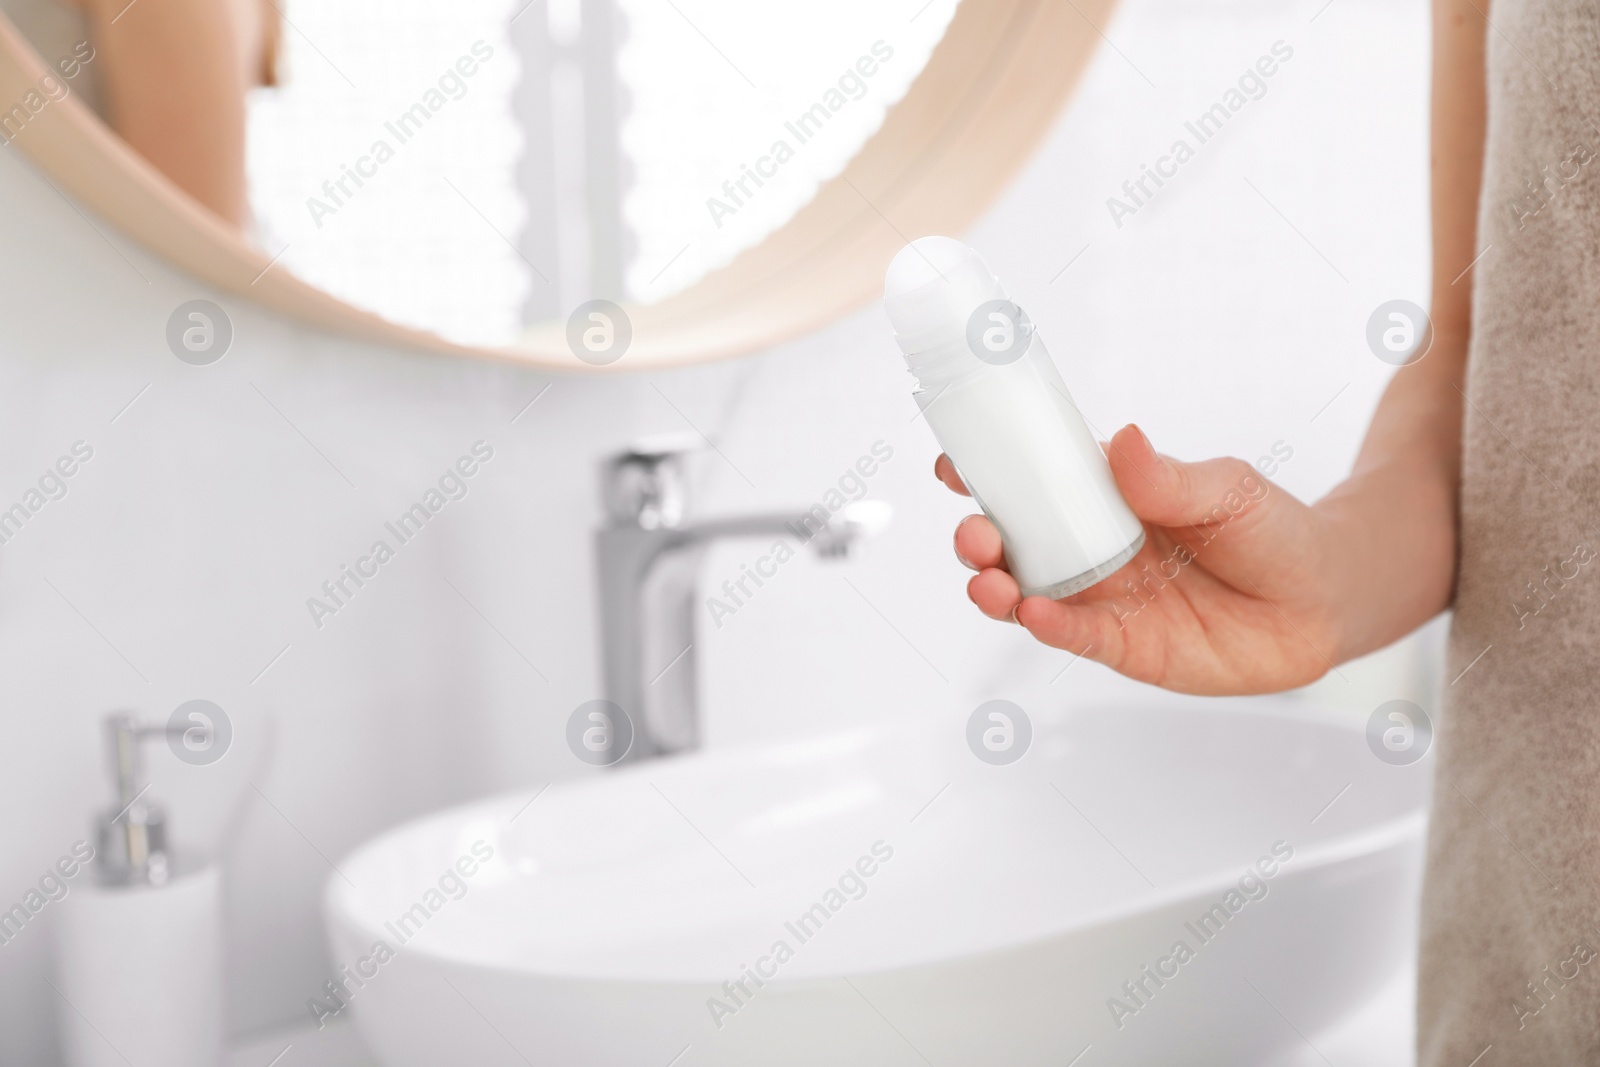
(1184, 881)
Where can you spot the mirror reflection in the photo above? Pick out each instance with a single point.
(171, 78)
(470, 169)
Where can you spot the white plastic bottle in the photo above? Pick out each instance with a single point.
(1001, 412)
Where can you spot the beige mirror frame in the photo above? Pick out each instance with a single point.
(990, 92)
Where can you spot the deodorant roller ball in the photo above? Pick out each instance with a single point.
(1001, 412)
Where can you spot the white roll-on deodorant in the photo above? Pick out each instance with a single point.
(1002, 414)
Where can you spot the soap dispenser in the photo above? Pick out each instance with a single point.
(131, 838)
(139, 949)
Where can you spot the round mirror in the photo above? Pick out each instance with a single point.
(583, 183)
(620, 155)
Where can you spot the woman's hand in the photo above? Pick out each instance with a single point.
(1231, 592)
(1280, 592)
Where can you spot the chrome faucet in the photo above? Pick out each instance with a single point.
(648, 560)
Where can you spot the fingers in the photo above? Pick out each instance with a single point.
(992, 588)
(995, 592)
(945, 471)
(1169, 492)
(1089, 629)
(978, 543)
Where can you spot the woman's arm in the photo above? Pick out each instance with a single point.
(174, 74)
(1409, 468)
(1279, 593)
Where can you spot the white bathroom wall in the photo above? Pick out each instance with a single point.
(1227, 315)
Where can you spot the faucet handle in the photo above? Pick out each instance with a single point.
(646, 485)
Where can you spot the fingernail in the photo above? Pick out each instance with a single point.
(1150, 448)
(1014, 615)
(965, 562)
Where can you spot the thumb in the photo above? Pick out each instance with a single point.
(1169, 492)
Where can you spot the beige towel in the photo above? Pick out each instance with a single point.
(1511, 906)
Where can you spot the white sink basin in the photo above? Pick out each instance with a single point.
(615, 915)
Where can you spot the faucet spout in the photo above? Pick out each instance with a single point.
(648, 576)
